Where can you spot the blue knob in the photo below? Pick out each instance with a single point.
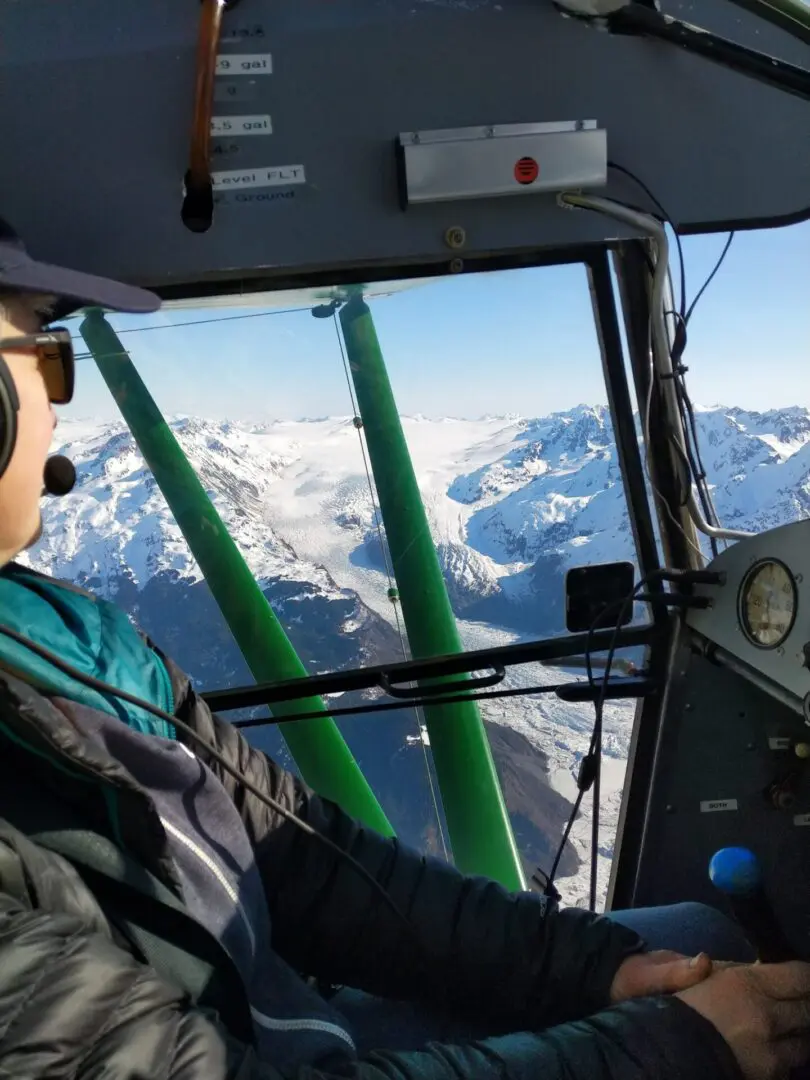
(735, 871)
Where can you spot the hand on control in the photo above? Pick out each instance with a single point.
(763, 1013)
(662, 972)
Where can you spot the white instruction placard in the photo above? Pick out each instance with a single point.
(245, 64)
(712, 806)
(266, 176)
(241, 125)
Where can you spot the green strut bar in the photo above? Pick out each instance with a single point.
(325, 761)
(477, 818)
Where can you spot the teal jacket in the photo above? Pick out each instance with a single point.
(89, 634)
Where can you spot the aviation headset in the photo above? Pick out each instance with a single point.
(9, 407)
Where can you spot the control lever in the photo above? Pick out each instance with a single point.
(737, 874)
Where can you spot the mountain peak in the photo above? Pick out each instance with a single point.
(506, 492)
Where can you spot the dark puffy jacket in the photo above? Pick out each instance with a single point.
(76, 1001)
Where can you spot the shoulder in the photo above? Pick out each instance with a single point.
(24, 575)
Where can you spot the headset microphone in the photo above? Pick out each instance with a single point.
(59, 475)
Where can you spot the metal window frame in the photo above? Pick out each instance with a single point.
(631, 263)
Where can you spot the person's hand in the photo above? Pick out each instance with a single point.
(662, 972)
(763, 1013)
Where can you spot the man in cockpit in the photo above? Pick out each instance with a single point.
(171, 900)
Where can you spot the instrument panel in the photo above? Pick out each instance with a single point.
(767, 603)
(731, 770)
(761, 614)
(731, 760)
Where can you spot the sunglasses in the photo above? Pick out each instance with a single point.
(54, 350)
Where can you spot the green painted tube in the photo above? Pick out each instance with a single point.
(782, 13)
(317, 746)
(477, 819)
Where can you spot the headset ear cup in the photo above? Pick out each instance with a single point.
(9, 407)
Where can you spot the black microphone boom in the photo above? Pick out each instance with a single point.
(59, 476)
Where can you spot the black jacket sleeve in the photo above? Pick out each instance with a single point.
(514, 960)
(72, 1003)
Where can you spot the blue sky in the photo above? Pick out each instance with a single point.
(516, 342)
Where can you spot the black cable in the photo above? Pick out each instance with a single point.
(596, 741)
(689, 419)
(591, 772)
(590, 766)
(595, 752)
(566, 833)
(694, 469)
(667, 220)
(589, 769)
(279, 808)
(709, 279)
(204, 322)
(693, 458)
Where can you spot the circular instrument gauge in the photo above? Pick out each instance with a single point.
(767, 603)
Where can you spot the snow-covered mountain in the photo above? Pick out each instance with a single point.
(512, 504)
(510, 501)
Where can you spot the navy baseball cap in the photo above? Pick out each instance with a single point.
(69, 288)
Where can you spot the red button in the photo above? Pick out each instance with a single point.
(526, 170)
